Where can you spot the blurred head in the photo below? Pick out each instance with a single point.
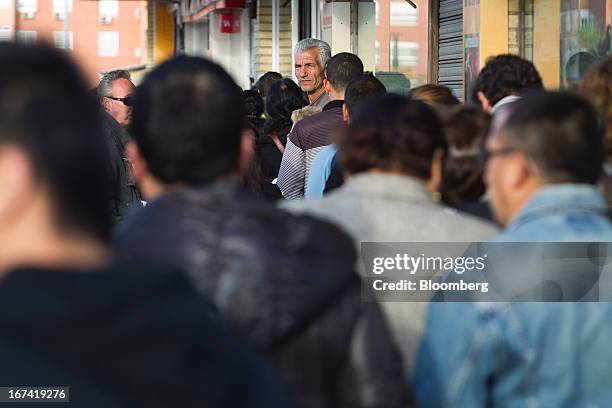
(311, 56)
(394, 134)
(466, 128)
(341, 69)
(358, 91)
(549, 138)
(188, 121)
(263, 83)
(253, 105)
(52, 157)
(284, 97)
(596, 86)
(434, 95)
(114, 87)
(502, 76)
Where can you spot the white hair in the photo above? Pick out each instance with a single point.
(310, 43)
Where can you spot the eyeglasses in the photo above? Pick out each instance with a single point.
(486, 155)
(127, 101)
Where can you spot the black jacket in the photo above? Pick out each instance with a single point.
(124, 338)
(285, 282)
(124, 194)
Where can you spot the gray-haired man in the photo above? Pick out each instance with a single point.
(311, 55)
(115, 90)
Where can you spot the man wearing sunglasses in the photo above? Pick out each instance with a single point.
(114, 93)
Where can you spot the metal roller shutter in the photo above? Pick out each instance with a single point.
(450, 46)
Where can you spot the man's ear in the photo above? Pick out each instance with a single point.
(327, 86)
(137, 162)
(247, 148)
(16, 182)
(106, 104)
(484, 102)
(345, 114)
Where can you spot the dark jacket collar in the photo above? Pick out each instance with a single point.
(333, 104)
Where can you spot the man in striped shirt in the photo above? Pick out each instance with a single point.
(311, 135)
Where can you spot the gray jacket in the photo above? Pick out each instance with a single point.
(394, 208)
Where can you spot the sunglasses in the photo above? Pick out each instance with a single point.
(127, 101)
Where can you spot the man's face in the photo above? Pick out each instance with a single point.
(117, 109)
(308, 71)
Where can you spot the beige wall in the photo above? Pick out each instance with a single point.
(547, 40)
(494, 35)
(493, 29)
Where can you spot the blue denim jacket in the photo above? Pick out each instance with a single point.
(524, 354)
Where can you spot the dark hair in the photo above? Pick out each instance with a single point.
(505, 75)
(393, 133)
(434, 95)
(561, 133)
(188, 116)
(466, 128)
(361, 89)
(342, 68)
(253, 111)
(46, 109)
(265, 81)
(284, 97)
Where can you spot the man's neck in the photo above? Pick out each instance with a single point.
(336, 95)
(312, 97)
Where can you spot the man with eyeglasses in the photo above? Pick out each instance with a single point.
(541, 169)
(114, 93)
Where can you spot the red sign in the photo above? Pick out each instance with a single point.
(230, 23)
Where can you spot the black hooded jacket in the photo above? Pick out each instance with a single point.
(124, 337)
(285, 282)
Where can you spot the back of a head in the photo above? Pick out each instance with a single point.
(253, 104)
(359, 90)
(434, 95)
(265, 81)
(391, 133)
(466, 128)
(47, 111)
(342, 68)
(187, 121)
(561, 133)
(597, 87)
(284, 97)
(506, 75)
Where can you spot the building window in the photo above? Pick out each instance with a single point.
(407, 53)
(26, 36)
(377, 52)
(6, 33)
(59, 7)
(108, 43)
(403, 14)
(59, 39)
(108, 10)
(520, 28)
(27, 7)
(585, 38)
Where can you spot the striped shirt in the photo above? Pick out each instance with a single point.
(308, 137)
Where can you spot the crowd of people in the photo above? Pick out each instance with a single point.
(188, 243)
